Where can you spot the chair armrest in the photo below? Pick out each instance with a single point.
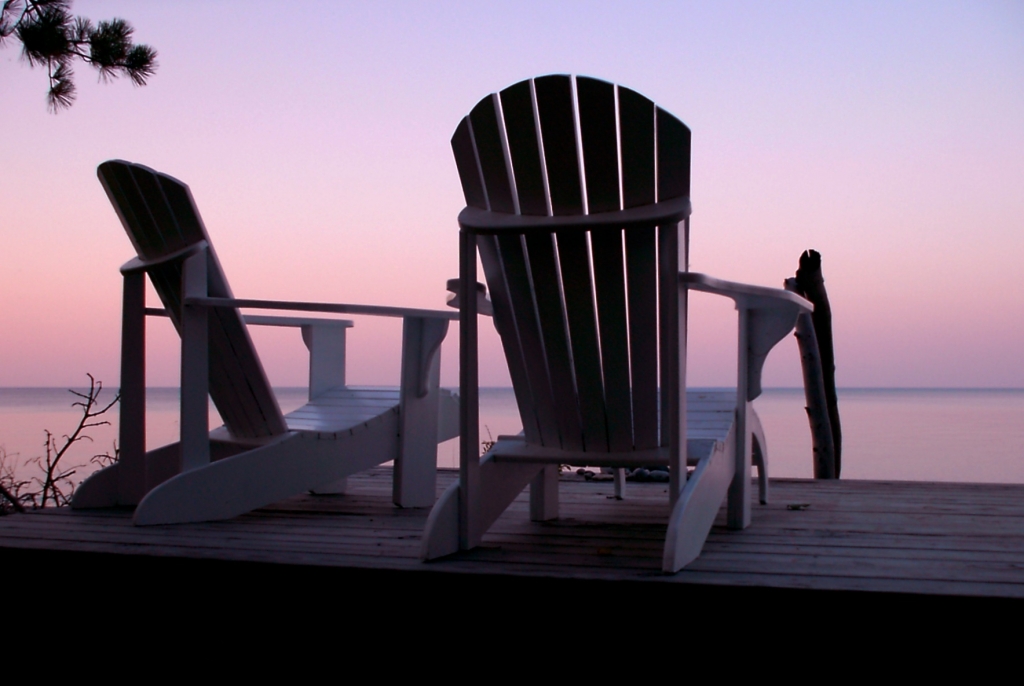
(420, 346)
(336, 308)
(483, 303)
(752, 297)
(138, 264)
(325, 340)
(769, 314)
(270, 320)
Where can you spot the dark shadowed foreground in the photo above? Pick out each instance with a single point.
(823, 546)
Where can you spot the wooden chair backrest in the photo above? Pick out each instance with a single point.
(578, 310)
(160, 217)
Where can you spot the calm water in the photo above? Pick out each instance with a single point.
(918, 435)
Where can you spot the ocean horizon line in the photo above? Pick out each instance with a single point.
(509, 388)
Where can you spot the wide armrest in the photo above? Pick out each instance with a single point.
(423, 332)
(766, 316)
(138, 264)
(337, 308)
(754, 297)
(325, 340)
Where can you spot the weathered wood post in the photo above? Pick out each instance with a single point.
(814, 393)
(811, 285)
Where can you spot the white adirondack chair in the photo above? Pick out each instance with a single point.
(259, 456)
(577, 196)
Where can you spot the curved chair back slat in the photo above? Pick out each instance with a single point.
(160, 218)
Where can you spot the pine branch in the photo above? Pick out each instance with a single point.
(51, 36)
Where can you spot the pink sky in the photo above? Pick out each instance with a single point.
(314, 136)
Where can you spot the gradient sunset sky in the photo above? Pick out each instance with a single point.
(889, 136)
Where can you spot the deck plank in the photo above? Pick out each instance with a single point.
(936, 539)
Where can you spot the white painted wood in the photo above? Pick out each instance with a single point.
(660, 213)
(295, 322)
(326, 345)
(195, 369)
(500, 483)
(772, 315)
(144, 265)
(469, 503)
(131, 465)
(259, 456)
(672, 329)
(759, 454)
(101, 489)
(483, 303)
(561, 283)
(325, 340)
(416, 466)
(544, 494)
(739, 492)
(610, 298)
(642, 289)
(512, 341)
(695, 511)
(339, 487)
(448, 415)
(336, 308)
(505, 266)
(287, 465)
(680, 459)
(441, 533)
(518, 449)
(765, 316)
(338, 410)
(554, 353)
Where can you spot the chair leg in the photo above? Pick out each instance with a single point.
(544, 494)
(620, 483)
(500, 483)
(759, 455)
(415, 474)
(334, 488)
(696, 509)
(760, 460)
(441, 533)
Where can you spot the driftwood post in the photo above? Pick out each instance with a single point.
(811, 285)
(814, 393)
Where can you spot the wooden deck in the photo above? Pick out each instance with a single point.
(853, 540)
